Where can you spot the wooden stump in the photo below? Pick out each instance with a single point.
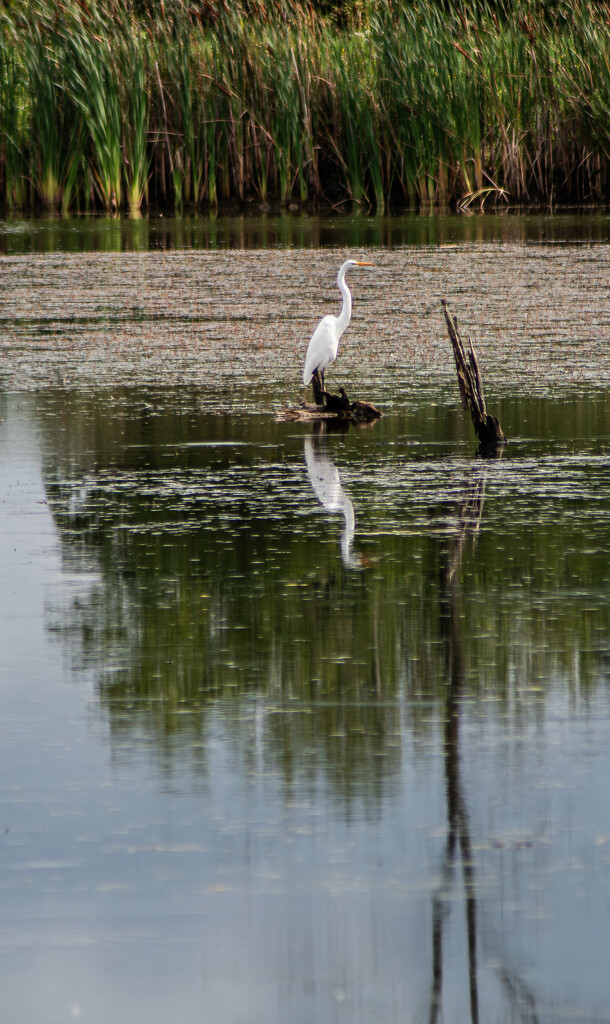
(487, 427)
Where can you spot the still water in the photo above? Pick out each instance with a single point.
(299, 724)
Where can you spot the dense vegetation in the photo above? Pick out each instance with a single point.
(371, 102)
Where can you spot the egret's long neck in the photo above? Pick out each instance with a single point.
(345, 314)
(347, 537)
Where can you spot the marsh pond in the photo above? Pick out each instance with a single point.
(303, 724)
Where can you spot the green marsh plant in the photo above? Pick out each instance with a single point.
(371, 103)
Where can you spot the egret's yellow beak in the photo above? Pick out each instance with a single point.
(359, 263)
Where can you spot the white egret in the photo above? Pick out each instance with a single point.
(324, 342)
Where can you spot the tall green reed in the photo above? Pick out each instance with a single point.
(136, 114)
(374, 103)
(285, 117)
(184, 93)
(409, 91)
(580, 56)
(92, 76)
(57, 141)
(13, 119)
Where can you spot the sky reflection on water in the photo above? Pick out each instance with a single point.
(244, 778)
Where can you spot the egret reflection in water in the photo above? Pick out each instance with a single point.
(326, 482)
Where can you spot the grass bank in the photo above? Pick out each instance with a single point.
(108, 105)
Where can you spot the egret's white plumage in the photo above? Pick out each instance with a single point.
(324, 342)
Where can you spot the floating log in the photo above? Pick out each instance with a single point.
(335, 407)
(487, 427)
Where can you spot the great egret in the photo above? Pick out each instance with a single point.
(324, 342)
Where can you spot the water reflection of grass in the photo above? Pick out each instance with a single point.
(222, 584)
(106, 103)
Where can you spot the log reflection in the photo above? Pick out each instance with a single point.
(458, 826)
(517, 993)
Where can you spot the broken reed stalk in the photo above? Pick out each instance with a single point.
(487, 427)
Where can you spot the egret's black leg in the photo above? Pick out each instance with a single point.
(318, 387)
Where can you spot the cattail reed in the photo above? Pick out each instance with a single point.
(373, 106)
